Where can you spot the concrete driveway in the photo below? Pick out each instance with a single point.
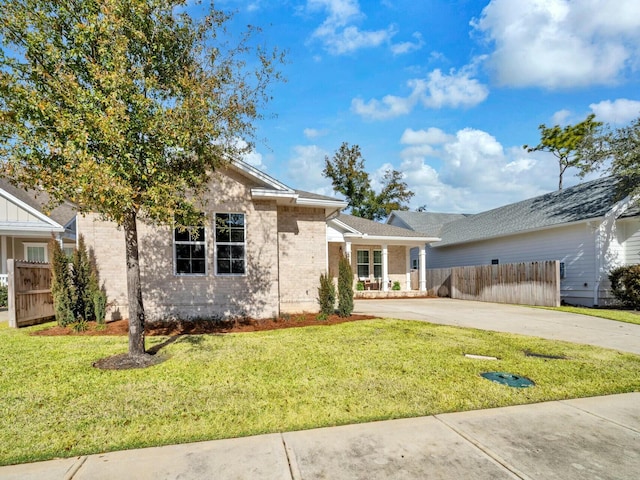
(499, 317)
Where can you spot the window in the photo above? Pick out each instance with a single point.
(495, 261)
(363, 263)
(190, 251)
(68, 251)
(377, 263)
(36, 252)
(230, 244)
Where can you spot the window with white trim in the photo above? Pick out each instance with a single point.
(190, 251)
(36, 252)
(377, 263)
(231, 245)
(362, 260)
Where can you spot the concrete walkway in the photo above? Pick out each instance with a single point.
(500, 317)
(586, 438)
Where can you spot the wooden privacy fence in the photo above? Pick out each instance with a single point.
(533, 283)
(30, 299)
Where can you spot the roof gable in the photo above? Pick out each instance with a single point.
(361, 228)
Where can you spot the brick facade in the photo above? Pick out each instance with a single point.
(285, 252)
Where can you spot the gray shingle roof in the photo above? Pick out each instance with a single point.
(316, 196)
(579, 203)
(377, 229)
(62, 214)
(429, 223)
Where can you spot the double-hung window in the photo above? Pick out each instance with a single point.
(36, 252)
(377, 263)
(231, 245)
(190, 251)
(363, 263)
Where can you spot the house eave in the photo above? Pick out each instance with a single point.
(366, 239)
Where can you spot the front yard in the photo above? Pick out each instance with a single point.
(55, 404)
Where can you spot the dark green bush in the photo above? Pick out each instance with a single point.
(61, 286)
(625, 285)
(345, 287)
(326, 295)
(396, 286)
(4, 296)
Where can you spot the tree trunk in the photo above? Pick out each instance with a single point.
(134, 287)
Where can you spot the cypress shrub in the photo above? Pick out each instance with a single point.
(326, 295)
(4, 296)
(80, 278)
(345, 287)
(61, 285)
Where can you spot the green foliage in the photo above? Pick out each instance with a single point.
(80, 325)
(61, 285)
(74, 286)
(326, 295)
(348, 177)
(125, 107)
(360, 286)
(619, 152)
(625, 285)
(4, 296)
(396, 286)
(566, 144)
(345, 287)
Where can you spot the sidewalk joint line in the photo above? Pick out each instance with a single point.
(294, 471)
(593, 414)
(75, 467)
(488, 452)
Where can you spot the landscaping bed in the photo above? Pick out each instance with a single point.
(204, 326)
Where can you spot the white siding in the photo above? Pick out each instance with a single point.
(631, 241)
(10, 212)
(574, 245)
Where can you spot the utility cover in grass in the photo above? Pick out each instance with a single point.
(509, 379)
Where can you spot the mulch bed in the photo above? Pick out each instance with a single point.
(200, 327)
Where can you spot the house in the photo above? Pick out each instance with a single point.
(380, 253)
(26, 226)
(586, 227)
(260, 253)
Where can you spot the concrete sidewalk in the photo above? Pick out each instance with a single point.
(500, 317)
(586, 438)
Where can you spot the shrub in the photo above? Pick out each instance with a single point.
(61, 286)
(345, 287)
(625, 285)
(326, 294)
(4, 296)
(396, 286)
(360, 286)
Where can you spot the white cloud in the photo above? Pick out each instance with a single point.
(471, 171)
(312, 133)
(561, 43)
(408, 47)
(337, 32)
(438, 90)
(561, 117)
(304, 170)
(620, 111)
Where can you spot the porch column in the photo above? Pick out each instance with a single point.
(385, 269)
(3, 255)
(347, 250)
(423, 269)
(408, 266)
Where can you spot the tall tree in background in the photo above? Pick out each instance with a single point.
(565, 143)
(125, 107)
(618, 151)
(348, 177)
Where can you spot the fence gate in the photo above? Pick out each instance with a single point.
(30, 300)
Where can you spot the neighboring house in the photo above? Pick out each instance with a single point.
(585, 227)
(380, 254)
(260, 253)
(25, 228)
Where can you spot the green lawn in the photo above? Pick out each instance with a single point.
(55, 404)
(628, 316)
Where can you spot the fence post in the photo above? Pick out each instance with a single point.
(11, 293)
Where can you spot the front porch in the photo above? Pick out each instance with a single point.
(379, 294)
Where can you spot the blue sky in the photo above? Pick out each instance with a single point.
(445, 91)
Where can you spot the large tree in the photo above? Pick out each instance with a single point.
(565, 143)
(125, 107)
(618, 152)
(349, 177)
